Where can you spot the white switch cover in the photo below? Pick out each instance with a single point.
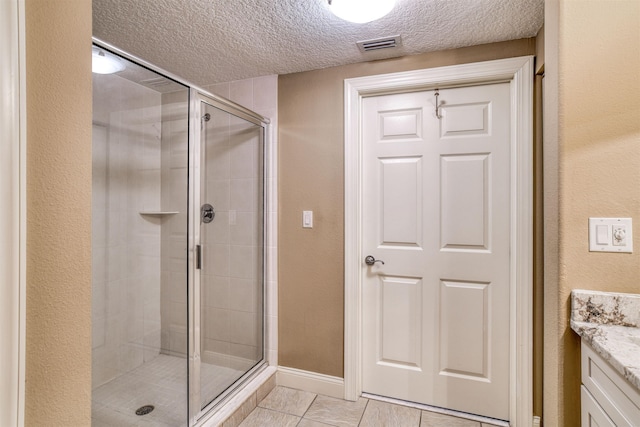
(610, 235)
(307, 219)
(602, 234)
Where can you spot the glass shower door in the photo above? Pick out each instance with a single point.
(139, 222)
(229, 295)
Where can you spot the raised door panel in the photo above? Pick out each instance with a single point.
(464, 219)
(464, 330)
(466, 119)
(401, 201)
(400, 125)
(400, 322)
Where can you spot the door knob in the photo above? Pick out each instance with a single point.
(370, 260)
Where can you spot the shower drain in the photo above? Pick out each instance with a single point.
(144, 410)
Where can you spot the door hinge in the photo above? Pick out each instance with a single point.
(198, 257)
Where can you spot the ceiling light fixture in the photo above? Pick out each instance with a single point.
(361, 11)
(104, 62)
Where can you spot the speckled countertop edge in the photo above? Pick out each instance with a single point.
(608, 322)
(618, 345)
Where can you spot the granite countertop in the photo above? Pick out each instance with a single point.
(610, 323)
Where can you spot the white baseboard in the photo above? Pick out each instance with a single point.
(310, 381)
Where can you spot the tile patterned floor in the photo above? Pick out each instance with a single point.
(288, 407)
(161, 382)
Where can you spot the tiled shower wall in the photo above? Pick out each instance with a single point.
(232, 244)
(231, 300)
(126, 245)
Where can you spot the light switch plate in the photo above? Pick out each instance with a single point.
(307, 219)
(610, 235)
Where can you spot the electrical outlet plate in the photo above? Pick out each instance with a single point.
(610, 235)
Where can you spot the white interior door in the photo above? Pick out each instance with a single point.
(436, 210)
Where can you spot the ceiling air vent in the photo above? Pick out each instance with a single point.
(156, 82)
(381, 43)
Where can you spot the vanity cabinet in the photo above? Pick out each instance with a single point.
(607, 398)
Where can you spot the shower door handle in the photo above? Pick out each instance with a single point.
(207, 213)
(198, 257)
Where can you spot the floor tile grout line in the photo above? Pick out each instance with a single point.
(278, 411)
(365, 410)
(283, 411)
(310, 405)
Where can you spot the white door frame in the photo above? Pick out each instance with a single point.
(519, 73)
(13, 212)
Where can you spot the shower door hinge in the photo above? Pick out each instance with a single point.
(198, 257)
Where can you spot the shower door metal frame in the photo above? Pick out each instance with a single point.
(197, 97)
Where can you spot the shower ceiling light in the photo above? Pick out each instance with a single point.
(361, 11)
(104, 62)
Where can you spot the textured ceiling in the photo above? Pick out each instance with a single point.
(212, 41)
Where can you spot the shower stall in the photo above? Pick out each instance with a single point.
(178, 246)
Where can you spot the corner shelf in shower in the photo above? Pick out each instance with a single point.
(158, 213)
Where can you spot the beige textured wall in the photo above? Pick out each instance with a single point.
(58, 327)
(311, 278)
(599, 160)
(540, 51)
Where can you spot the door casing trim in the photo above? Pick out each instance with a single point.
(519, 73)
(13, 215)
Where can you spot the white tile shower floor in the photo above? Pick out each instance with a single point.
(161, 382)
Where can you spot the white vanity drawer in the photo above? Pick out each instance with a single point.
(592, 414)
(614, 394)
